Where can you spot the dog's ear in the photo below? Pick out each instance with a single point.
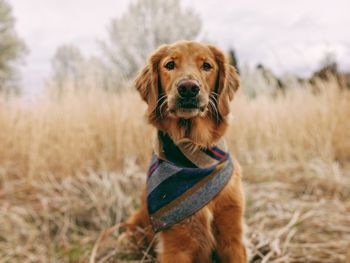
(143, 82)
(227, 82)
(148, 82)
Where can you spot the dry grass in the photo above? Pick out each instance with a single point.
(71, 168)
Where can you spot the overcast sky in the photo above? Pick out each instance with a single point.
(286, 35)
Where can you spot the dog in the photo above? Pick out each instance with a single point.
(188, 87)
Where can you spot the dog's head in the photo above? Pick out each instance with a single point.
(186, 81)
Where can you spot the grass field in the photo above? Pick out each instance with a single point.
(70, 168)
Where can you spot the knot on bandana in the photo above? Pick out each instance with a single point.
(182, 179)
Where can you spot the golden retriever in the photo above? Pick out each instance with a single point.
(188, 87)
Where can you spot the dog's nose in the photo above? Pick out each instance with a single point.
(188, 88)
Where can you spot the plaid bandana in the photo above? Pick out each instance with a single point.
(181, 180)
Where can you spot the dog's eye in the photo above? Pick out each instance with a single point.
(170, 65)
(206, 66)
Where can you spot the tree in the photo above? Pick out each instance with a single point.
(233, 59)
(329, 71)
(12, 49)
(329, 60)
(146, 25)
(73, 71)
(259, 80)
(66, 64)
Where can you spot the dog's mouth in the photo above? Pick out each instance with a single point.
(188, 108)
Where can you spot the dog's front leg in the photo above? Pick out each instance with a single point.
(188, 242)
(176, 245)
(228, 217)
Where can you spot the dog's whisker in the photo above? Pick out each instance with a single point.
(162, 97)
(161, 106)
(214, 94)
(213, 106)
(210, 107)
(214, 99)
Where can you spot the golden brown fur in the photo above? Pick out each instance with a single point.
(218, 225)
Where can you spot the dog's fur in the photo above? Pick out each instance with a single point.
(217, 226)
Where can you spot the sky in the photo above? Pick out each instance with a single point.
(285, 35)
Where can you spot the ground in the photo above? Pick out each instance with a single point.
(72, 169)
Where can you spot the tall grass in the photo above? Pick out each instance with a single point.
(99, 130)
(69, 168)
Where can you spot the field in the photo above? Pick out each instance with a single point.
(72, 167)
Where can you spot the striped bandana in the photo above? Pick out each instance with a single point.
(181, 180)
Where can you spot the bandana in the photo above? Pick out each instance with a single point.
(182, 179)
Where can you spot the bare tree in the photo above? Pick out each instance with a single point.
(146, 25)
(73, 71)
(233, 59)
(12, 49)
(66, 64)
(329, 60)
